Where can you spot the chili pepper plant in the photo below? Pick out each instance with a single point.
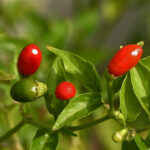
(126, 99)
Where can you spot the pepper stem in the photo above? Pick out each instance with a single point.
(121, 46)
(141, 43)
(41, 89)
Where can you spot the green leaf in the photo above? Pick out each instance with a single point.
(44, 140)
(148, 139)
(67, 131)
(5, 76)
(141, 143)
(141, 121)
(140, 78)
(129, 145)
(146, 62)
(117, 83)
(55, 76)
(79, 107)
(54, 105)
(51, 143)
(129, 103)
(40, 139)
(80, 68)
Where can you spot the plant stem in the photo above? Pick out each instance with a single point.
(87, 125)
(12, 131)
(38, 124)
(19, 125)
(110, 94)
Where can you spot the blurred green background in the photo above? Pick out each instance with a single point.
(93, 29)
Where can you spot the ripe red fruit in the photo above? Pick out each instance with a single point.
(126, 58)
(29, 60)
(65, 90)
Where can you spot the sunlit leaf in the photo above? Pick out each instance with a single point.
(79, 107)
(80, 68)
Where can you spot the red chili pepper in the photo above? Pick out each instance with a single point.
(65, 90)
(29, 60)
(125, 59)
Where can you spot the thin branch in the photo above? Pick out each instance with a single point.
(87, 125)
(38, 124)
(12, 131)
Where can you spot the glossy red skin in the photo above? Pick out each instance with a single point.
(125, 59)
(29, 60)
(65, 91)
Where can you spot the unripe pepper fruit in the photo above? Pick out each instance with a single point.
(119, 135)
(65, 90)
(29, 60)
(27, 90)
(125, 59)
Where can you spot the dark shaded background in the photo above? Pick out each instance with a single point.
(94, 29)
